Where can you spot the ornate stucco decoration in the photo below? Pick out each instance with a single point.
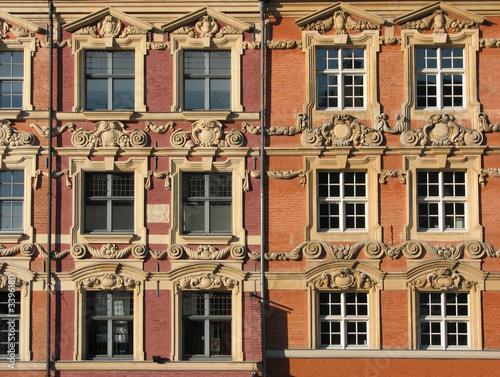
(342, 130)
(383, 126)
(55, 175)
(54, 255)
(109, 26)
(439, 21)
(284, 45)
(4, 28)
(342, 279)
(109, 281)
(109, 134)
(341, 21)
(207, 252)
(278, 131)
(18, 283)
(207, 133)
(158, 46)
(26, 249)
(491, 42)
(314, 250)
(44, 131)
(485, 125)
(158, 129)
(14, 138)
(288, 174)
(246, 181)
(162, 175)
(251, 45)
(443, 279)
(490, 172)
(87, 30)
(207, 281)
(206, 27)
(109, 251)
(384, 40)
(384, 174)
(441, 130)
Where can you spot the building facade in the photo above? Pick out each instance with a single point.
(360, 165)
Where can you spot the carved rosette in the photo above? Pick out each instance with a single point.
(109, 281)
(207, 281)
(441, 130)
(341, 21)
(109, 251)
(342, 279)
(443, 279)
(109, 134)
(14, 138)
(207, 133)
(439, 21)
(342, 130)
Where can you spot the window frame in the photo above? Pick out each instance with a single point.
(11, 199)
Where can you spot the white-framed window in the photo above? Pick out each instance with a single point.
(110, 80)
(440, 77)
(11, 200)
(207, 80)
(206, 325)
(10, 317)
(207, 203)
(342, 201)
(11, 79)
(441, 200)
(109, 202)
(443, 320)
(340, 78)
(343, 320)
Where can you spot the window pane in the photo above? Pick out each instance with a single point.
(122, 215)
(97, 94)
(220, 217)
(220, 94)
(123, 94)
(194, 94)
(194, 217)
(95, 216)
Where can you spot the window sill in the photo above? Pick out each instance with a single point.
(108, 115)
(108, 238)
(10, 114)
(381, 354)
(206, 115)
(207, 239)
(12, 237)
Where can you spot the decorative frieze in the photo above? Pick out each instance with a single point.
(207, 133)
(207, 281)
(278, 131)
(439, 21)
(283, 45)
(12, 137)
(109, 134)
(341, 21)
(109, 251)
(206, 252)
(109, 281)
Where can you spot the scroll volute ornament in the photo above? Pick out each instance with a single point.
(109, 281)
(443, 279)
(343, 278)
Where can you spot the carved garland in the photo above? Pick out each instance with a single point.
(288, 174)
(341, 22)
(439, 21)
(278, 131)
(55, 175)
(384, 174)
(44, 132)
(207, 133)
(162, 175)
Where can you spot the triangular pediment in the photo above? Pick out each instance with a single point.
(338, 17)
(199, 14)
(439, 16)
(18, 24)
(100, 15)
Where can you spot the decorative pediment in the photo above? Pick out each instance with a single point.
(339, 17)
(108, 22)
(207, 281)
(441, 130)
(342, 130)
(207, 133)
(436, 16)
(206, 24)
(343, 278)
(16, 25)
(109, 251)
(109, 134)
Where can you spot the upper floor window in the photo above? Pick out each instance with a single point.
(342, 201)
(11, 199)
(444, 320)
(439, 77)
(341, 76)
(109, 324)
(441, 200)
(206, 324)
(207, 203)
(110, 80)
(207, 80)
(343, 319)
(11, 79)
(10, 314)
(109, 202)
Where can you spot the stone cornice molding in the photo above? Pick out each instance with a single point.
(12, 137)
(109, 134)
(108, 251)
(207, 133)
(24, 29)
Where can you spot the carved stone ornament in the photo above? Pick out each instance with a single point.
(206, 252)
(443, 279)
(490, 42)
(441, 130)
(278, 131)
(206, 281)
(26, 249)
(158, 129)
(490, 172)
(55, 175)
(342, 130)
(109, 251)
(4, 28)
(109, 134)
(287, 174)
(5, 282)
(14, 138)
(44, 132)
(384, 174)
(109, 26)
(283, 45)
(486, 126)
(109, 281)
(439, 21)
(133, 30)
(250, 45)
(54, 255)
(342, 279)
(158, 46)
(314, 249)
(383, 126)
(206, 26)
(207, 133)
(384, 40)
(162, 175)
(341, 21)
(87, 30)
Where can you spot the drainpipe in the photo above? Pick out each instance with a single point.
(262, 7)
(49, 194)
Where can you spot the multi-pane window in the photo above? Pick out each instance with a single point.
(11, 200)
(109, 202)
(11, 79)
(444, 321)
(343, 319)
(206, 324)
(341, 77)
(342, 200)
(10, 313)
(109, 324)
(440, 77)
(109, 80)
(207, 203)
(441, 200)
(207, 80)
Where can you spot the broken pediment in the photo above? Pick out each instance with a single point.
(206, 24)
(108, 22)
(340, 17)
(437, 17)
(16, 25)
